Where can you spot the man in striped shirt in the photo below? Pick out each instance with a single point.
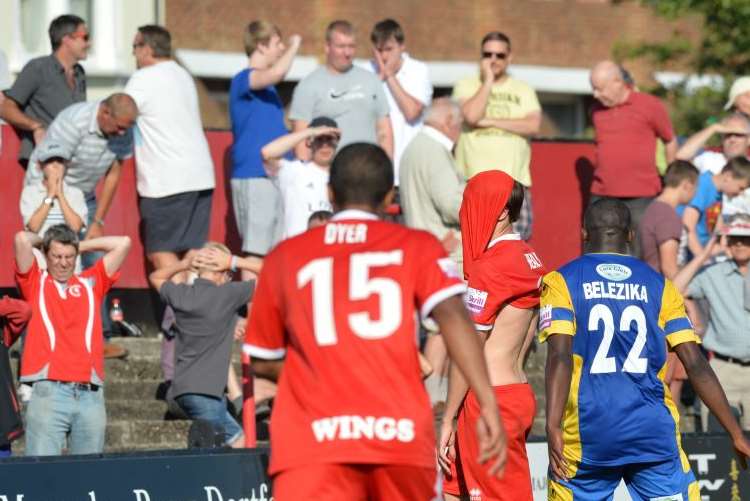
(90, 140)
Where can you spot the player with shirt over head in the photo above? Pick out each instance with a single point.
(504, 275)
(609, 319)
(338, 303)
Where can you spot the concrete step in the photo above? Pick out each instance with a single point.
(141, 347)
(143, 390)
(145, 434)
(135, 410)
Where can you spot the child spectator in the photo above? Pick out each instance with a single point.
(731, 181)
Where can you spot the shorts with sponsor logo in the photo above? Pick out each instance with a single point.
(176, 223)
(657, 481)
(356, 482)
(469, 479)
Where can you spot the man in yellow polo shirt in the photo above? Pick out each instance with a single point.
(500, 114)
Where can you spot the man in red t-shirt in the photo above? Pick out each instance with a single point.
(63, 351)
(351, 418)
(627, 125)
(504, 275)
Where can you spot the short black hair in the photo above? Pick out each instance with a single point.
(384, 30)
(158, 38)
(678, 171)
(61, 233)
(515, 202)
(320, 215)
(62, 26)
(361, 173)
(607, 214)
(496, 36)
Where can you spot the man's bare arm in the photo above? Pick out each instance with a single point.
(410, 106)
(668, 258)
(384, 130)
(23, 245)
(708, 388)
(12, 113)
(526, 126)
(111, 181)
(558, 372)
(301, 151)
(160, 276)
(262, 78)
(268, 369)
(465, 351)
(116, 249)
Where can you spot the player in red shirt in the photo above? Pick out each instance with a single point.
(339, 304)
(504, 275)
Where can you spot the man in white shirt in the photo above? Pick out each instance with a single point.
(406, 83)
(303, 184)
(175, 173)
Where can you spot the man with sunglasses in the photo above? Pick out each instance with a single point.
(500, 113)
(724, 287)
(734, 132)
(303, 184)
(48, 84)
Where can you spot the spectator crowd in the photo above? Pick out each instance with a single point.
(692, 224)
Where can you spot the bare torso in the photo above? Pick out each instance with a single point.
(507, 344)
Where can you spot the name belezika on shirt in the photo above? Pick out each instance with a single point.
(615, 290)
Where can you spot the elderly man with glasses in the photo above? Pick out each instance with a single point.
(500, 114)
(48, 84)
(734, 132)
(725, 287)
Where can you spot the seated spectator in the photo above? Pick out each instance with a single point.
(63, 352)
(319, 218)
(731, 181)
(14, 315)
(734, 132)
(303, 184)
(660, 229)
(723, 286)
(53, 202)
(205, 316)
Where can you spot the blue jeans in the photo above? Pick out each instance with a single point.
(89, 259)
(58, 409)
(214, 410)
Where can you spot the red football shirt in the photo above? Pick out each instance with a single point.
(626, 146)
(509, 272)
(64, 340)
(341, 302)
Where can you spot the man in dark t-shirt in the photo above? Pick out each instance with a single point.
(205, 314)
(660, 229)
(48, 84)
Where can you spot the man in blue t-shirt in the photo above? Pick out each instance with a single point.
(257, 117)
(731, 181)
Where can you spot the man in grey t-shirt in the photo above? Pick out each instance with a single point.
(205, 316)
(351, 96)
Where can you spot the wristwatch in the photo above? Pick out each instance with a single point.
(49, 200)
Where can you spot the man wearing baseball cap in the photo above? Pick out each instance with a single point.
(739, 96)
(724, 285)
(303, 184)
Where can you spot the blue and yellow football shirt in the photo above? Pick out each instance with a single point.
(622, 315)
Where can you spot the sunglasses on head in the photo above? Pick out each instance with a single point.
(496, 55)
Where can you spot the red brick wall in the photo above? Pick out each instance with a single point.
(544, 32)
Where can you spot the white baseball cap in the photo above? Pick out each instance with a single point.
(740, 86)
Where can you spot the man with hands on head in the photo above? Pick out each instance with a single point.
(63, 353)
(205, 316)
